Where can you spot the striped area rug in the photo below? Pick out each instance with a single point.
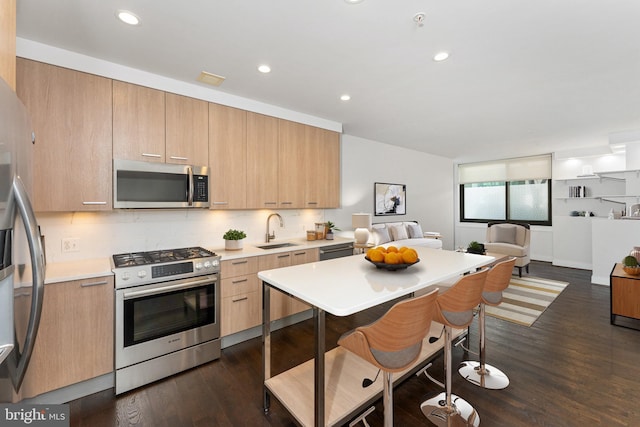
(526, 299)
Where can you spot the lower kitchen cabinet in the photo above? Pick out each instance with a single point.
(75, 340)
(241, 304)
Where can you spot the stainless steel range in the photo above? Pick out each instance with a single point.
(167, 313)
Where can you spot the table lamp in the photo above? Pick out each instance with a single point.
(361, 223)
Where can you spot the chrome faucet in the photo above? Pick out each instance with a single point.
(272, 235)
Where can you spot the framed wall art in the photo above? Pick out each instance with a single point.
(390, 199)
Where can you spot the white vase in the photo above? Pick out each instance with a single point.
(233, 245)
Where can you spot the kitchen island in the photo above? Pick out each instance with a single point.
(342, 287)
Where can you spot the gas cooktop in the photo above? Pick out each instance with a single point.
(160, 256)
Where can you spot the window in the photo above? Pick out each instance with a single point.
(516, 190)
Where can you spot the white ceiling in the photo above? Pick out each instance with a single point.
(524, 77)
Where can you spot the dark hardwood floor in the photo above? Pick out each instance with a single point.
(571, 368)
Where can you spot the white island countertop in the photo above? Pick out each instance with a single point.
(344, 286)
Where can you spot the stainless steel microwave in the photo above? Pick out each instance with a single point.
(159, 185)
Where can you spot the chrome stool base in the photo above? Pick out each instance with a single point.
(436, 411)
(492, 378)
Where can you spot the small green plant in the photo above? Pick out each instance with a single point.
(475, 248)
(234, 235)
(630, 261)
(331, 226)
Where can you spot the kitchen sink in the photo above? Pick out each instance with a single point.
(276, 245)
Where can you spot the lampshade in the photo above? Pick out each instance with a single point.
(361, 222)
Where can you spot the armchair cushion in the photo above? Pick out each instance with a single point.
(499, 240)
(505, 234)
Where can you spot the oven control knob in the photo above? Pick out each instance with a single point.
(125, 276)
(142, 274)
(207, 264)
(198, 266)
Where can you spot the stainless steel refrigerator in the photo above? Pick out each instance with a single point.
(21, 253)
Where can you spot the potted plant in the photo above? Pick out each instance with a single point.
(233, 239)
(329, 227)
(475, 248)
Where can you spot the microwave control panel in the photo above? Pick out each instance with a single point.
(200, 188)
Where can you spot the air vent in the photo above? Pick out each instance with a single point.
(210, 78)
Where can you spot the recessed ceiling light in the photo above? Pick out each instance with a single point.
(128, 17)
(345, 97)
(441, 56)
(264, 69)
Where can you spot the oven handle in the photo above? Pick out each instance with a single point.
(169, 288)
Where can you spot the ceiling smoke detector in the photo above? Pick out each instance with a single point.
(419, 18)
(210, 78)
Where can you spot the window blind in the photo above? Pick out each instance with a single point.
(518, 169)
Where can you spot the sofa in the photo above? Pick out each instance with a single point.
(406, 233)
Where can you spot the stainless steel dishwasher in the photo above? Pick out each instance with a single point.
(336, 251)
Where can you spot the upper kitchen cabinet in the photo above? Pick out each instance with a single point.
(227, 157)
(8, 42)
(292, 165)
(152, 125)
(138, 122)
(322, 154)
(71, 116)
(262, 161)
(187, 126)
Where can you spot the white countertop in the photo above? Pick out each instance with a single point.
(250, 249)
(344, 286)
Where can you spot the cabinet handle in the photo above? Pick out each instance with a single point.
(300, 253)
(244, 261)
(220, 203)
(239, 281)
(94, 203)
(151, 155)
(86, 285)
(270, 203)
(178, 158)
(240, 299)
(287, 203)
(312, 203)
(284, 256)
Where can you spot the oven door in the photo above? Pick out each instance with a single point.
(158, 319)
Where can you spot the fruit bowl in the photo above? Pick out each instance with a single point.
(633, 271)
(391, 267)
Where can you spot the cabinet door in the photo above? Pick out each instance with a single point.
(302, 257)
(187, 127)
(71, 116)
(262, 161)
(8, 42)
(138, 122)
(241, 305)
(227, 157)
(291, 164)
(75, 340)
(280, 303)
(322, 174)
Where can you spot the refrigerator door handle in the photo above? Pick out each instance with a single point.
(37, 270)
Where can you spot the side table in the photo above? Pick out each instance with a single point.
(625, 296)
(359, 248)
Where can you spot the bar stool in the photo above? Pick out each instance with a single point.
(479, 373)
(393, 342)
(454, 309)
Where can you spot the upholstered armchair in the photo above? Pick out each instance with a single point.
(510, 239)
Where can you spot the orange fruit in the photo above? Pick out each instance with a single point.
(409, 256)
(382, 249)
(392, 249)
(392, 258)
(402, 249)
(375, 255)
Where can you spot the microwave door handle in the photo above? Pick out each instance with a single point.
(37, 270)
(190, 195)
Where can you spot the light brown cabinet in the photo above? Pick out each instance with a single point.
(8, 42)
(75, 338)
(625, 295)
(138, 122)
(322, 173)
(187, 128)
(155, 126)
(292, 167)
(262, 161)
(283, 305)
(227, 157)
(71, 116)
(241, 304)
